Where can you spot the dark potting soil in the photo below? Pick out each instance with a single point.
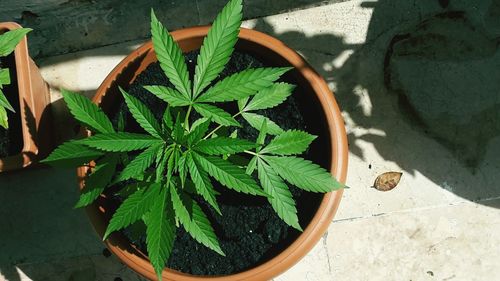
(11, 139)
(249, 231)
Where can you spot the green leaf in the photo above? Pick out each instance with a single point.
(255, 120)
(202, 182)
(142, 115)
(72, 154)
(133, 208)
(242, 84)
(120, 142)
(261, 138)
(4, 102)
(161, 162)
(198, 130)
(87, 112)
(140, 163)
(270, 96)
(160, 231)
(4, 77)
(223, 145)
(168, 122)
(170, 56)
(217, 45)
(282, 199)
(242, 103)
(97, 181)
(289, 142)
(304, 174)
(194, 220)
(251, 166)
(169, 95)
(217, 115)
(178, 132)
(182, 167)
(120, 126)
(228, 174)
(10, 39)
(3, 118)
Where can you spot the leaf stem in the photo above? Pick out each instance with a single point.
(186, 121)
(250, 152)
(220, 126)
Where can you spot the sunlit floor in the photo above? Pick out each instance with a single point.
(432, 114)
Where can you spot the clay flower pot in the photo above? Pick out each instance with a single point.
(316, 92)
(34, 99)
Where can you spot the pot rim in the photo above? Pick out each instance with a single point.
(326, 211)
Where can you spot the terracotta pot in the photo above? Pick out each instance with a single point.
(34, 99)
(269, 49)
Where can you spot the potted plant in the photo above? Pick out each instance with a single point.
(190, 159)
(24, 98)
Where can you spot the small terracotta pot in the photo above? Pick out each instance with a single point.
(269, 49)
(34, 110)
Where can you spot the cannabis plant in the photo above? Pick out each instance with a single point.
(8, 42)
(180, 157)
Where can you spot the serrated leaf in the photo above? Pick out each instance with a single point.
(167, 120)
(251, 166)
(72, 154)
(198, 130)
(178, 132)
(121, 122)
(216, 114)
(10, 39)
(304, 174)
(87, 112)
(194, 220)
(242, 84)
(255, 120)
(142, 115)
(183, 169)
(261, 138)
(3, 118)
(289, 142)
(270, 96)
(161, 163)
(242, 103)
(120, 142)
(217, 45)
(282, 199)
(133, 208)
(228, 174)
(202, 182)
(4, 77)
(140, 163)
(160, 231)
(223, 145)
(97, 181)
(170, 56)
(169, 95)
(4, 102)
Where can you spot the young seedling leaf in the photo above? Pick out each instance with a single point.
(198, 130)
(202, 182)
(169, 95)
(72, 154)
(255, 120)
(133, 208)
(10, 39)
(304, 174)
(289, 142)
(142, 115)
(160, 231)
(242, 84)
(282, 199)
(140, 163)
(170, 56)
(98, 180)
(217, 45)
(228, 174)
(216, 114)
(194, 220)
(120, 142)
(270, 97)
(223, 145)
(87, 112)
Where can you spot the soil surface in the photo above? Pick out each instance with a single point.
(249, 231)
(11, 139)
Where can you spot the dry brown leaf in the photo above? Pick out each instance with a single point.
(387, 181)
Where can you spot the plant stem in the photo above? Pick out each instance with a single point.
(186, 121)
(250, 152)
(220, 126)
